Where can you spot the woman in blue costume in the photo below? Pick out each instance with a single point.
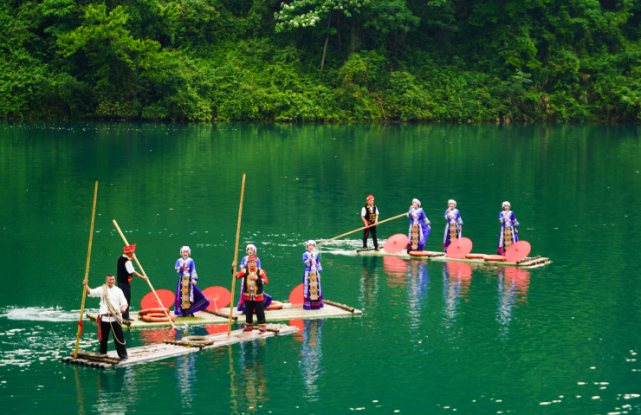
(189, 299)
(312, 291)
(251, 250)
(419, 227)
(454, 225)
(509, 234)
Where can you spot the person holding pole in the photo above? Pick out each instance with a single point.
(254, 279)
(125, 269)
(251, 251)
(369, 215)
(113, 305)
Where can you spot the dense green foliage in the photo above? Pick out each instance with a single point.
(435, 60)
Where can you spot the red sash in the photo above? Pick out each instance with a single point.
(99, 320)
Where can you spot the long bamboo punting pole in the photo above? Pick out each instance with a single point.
(84, 291)
(360, 229)
(143, 273)
(233, 278)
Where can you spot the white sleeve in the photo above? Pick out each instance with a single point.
(121, 298)
(363, 212)
(130, 267)
(377, 211)
(96, 292)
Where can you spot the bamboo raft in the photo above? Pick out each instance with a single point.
(288, 312)
(172, 348)
(529, 262)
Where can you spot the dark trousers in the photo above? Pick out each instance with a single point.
(371, 230)
(259, 306)
(126, 290)
(105, 327)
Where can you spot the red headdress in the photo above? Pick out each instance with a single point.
(252, 258)
(370, 197)
(129, 249)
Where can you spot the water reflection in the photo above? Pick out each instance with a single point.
(115, 391)
(456, 283)
(369, 282)
(251, 392)
(513, 284)
(311, 358)
(186, 376)
(418, 280)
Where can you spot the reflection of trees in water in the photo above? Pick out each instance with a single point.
(513, 284)
(251, 388)
(312, 356)
(116, 391)
(456, 283)
(369, 282)
(418, 280)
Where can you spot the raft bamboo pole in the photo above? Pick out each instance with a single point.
(143, 273)
(233, 277)
(84, 289)
(360, 229)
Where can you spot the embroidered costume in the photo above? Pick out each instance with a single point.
(189, 299)
(369, 214)
(453, 226)
(243, 264)
(252, 293)
(419, 228)
(312, 291)
(508, 234)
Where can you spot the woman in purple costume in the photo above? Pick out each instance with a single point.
(509, 234)
(454, 225)
(419, 227)
(312, 291)
(189, 299)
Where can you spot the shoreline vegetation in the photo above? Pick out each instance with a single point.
(322, 60)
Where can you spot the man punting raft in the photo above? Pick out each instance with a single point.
(124, 271)
(189, 299)
(369, 215)
(254, 279)
(113, 306)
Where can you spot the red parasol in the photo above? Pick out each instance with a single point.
(396, 243)
(300, 324)
(459, 248)
(296, 297)
(166, 298)
(219, 297)
(518, 251)
(219, 328)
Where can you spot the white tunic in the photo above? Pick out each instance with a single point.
(116, 297)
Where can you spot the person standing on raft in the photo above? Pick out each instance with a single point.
(251, 251)
(189, 299)
(369, 215)
(419, 227)
(124, 271)
(254, 279)
(509, 234)
(312, 291)
(113, 305)
(454, 225)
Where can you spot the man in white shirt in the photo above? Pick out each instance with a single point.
(369, 215)
(112, 300)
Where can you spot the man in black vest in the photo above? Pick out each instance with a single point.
(369, 214)
(124, 271)
(252, 291)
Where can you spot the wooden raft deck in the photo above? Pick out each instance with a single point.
(288, 312)
(150, 353)
(529, 262)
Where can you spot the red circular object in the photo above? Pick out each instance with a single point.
(166, 298)
(219, 297)
(275, 305)
(499, 258)
(518, 251)
(420, 253)
(459, 248)
(296, 297)
(396, 243)
(475, 256)
(157, 317)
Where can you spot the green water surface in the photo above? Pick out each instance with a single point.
(434, 337)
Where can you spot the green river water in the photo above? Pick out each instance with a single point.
(559, 339)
